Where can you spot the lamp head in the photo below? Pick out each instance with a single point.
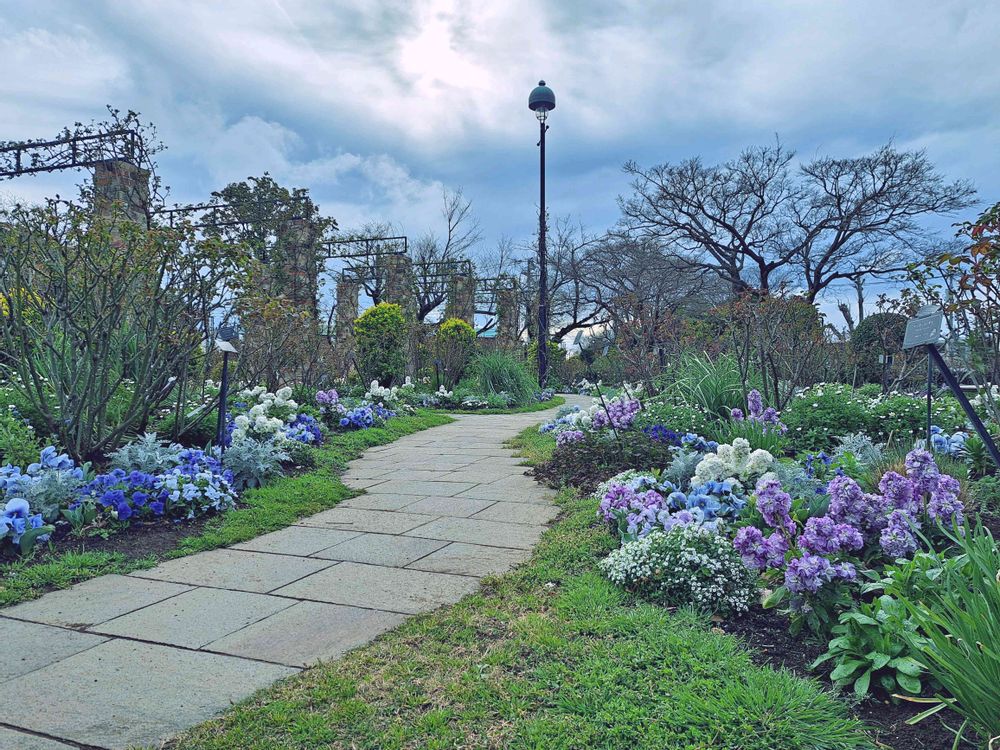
(541, 101)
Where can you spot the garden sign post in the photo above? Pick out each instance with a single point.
(925, 330)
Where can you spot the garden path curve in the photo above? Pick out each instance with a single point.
(121, 661)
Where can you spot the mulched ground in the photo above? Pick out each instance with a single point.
(139, 540)
(766, 632)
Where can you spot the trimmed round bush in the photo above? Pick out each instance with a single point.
(877, 335)
(453, 345)
(380, 334)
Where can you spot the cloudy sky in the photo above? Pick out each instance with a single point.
(376, 106)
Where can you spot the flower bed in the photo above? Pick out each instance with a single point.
(843, 545)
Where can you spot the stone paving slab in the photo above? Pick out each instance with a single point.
(382, 549)
(123, 693)
(94, 601)
(526, 513)
(390, 589)
(13, 740)
(196, 618)
(509, 494)
(39, 645)
(488, 533)
(471, 560)
(378, 521)
(234, 569)
(300, 541)
(448, 506)
(308, 632)
(375, 500)
(425, 488)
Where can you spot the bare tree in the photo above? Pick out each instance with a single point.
(756, 222)
(433, 253)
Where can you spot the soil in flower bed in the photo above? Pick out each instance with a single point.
(766, 632)
(140, 540)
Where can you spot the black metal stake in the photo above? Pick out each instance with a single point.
(930, 381)
(220, 428)
(949, 378)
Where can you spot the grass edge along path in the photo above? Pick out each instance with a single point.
(274, 506)
(550, 656)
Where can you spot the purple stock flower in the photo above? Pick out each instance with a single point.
(824, 536)
(808, 573)
(897, 538)
(774, 505)
(921, 470)
(845, 571)
(736, 415)
(755, 404)
(899, 492)
(760, 552)
(566, 437)
(850, 505)
(944, 504)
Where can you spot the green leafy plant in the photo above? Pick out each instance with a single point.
(499, 372)
(818, 415)
(18, 443)
(714, 385)
(763, 436)
(380, 334)
(986, 494)
(978, 457)
(667, 411)
(958, 629)
(870, 649)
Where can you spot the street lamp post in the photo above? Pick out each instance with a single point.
(541, 101)
(224, 343)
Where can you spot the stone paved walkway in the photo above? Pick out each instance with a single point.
(121, 661)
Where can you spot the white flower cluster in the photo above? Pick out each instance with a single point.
(266, 419)
(389, 396)
(688, 565)
(733, 463)
(443, 392)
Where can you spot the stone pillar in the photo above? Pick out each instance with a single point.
(122, 184)
(399, 289)
(508, 316)
(348, 291)
(462, 298)
(299, 271)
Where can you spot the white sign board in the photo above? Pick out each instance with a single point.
(923, 330)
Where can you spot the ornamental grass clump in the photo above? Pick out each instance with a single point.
(686, 566)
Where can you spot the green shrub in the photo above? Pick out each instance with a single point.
(453, 346)
(985, 492)
(675, 416)
(18, 443)
(380, 335)
(822, 413)
(877, 335)
(498, 372)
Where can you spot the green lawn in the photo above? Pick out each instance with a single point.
(548, 657)
(268, 508)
